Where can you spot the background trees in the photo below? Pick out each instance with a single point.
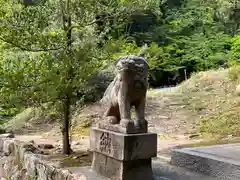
(50, 49)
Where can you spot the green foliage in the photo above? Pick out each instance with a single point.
(235, 51)
(222, 124)
(206, 51)
(195, 36)
(234, 74)
(36, 64)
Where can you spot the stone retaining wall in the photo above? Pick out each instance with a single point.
(23, 161)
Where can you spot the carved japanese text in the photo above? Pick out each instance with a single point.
(105, 142)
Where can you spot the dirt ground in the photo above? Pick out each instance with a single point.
(81, 144)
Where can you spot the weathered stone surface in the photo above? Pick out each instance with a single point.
(128, 89)
(29, 147)
(50, 171)
(221, 161)
(7, 135)
(42, 171)
(45, 146)
(123, 147)
(121, 156)
(1, 144)
(122, 170)
(238, 90)
(62, 174)
(8, 146)
(9, 167)
(30, 163)
(131, 129)
(24, 161)
(20, 175)
(78, 176)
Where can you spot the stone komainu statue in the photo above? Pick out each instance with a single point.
(128, 89)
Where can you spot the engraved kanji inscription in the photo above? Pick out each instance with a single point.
(105, 142)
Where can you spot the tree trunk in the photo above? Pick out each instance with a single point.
(67, 23)
(65, 128)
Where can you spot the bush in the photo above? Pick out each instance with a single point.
(234, 73)
(97, 86)
(99, 82)
(235, 51)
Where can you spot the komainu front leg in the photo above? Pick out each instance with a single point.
(112, 115)
(124, 107)
(140, 122)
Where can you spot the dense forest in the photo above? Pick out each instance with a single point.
(61, 51)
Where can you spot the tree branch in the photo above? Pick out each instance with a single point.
(98, 20)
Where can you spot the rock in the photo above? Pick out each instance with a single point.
(50, 171)
(89, 150)
(45, 153)
(32, 142)
(45, 146)
(151, 125)
(58, 150)
(75, 157)
(62, 174)
(163, 117)
(9, 168)
(194, 136)
(20, 175)
(2, 172)
(8, 147)
(78, 176)
(41, 169)
(31, 148)
(76, 143)
(7, 135)
(30, 163)
(84, 154)
(229, 136)
(24, 161)
(238, 90)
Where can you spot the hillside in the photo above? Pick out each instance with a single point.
(206, 103)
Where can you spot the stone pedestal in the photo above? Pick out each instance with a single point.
(117, 128)
(121, 156)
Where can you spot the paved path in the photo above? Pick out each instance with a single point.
(161, 169)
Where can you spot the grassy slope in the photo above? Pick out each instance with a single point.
(205, 103)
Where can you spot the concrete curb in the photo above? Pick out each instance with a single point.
(202, 160)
